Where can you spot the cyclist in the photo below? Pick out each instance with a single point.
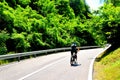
(73, 53)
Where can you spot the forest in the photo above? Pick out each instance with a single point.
(29, 25)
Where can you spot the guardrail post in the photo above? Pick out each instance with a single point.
(64, 50)
(35, 55)
(46, 52)
(18, 58)
(55, 51)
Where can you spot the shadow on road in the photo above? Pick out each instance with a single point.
(75, 65)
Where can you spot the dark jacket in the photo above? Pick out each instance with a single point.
(73, 47)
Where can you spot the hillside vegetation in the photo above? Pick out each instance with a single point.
(28, 25)
(109, 67)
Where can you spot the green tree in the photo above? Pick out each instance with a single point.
(20, 42)
(6, 17)
(114, 2)
(104, 25)
(111, 23)
(80, 8)
(45, 7)
(64, 8)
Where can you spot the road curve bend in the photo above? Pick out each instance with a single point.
(50, 67)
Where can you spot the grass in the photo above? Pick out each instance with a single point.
(108, 68)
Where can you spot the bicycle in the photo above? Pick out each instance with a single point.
(73, 59)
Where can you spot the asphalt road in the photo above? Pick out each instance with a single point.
(50, 67)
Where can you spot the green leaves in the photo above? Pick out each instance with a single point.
(114, 2)
(6, 12)
(45, 7)
(105, 25)
(64, 9)
(42, 24)
(20, 42)
(24, 2)
(112, 21)
(3, 38)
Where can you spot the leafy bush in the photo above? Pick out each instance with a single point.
(21, 44)
(3, 37)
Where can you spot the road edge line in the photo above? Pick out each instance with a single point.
(90, 74)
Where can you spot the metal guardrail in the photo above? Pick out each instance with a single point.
(18, 55)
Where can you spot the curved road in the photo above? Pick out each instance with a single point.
(50, 67)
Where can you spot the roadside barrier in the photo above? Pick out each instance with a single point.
(19, 55)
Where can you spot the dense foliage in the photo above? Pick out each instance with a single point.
(107, 24)
(27, 25)
(114, 2)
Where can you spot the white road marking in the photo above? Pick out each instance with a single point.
(90, 74)
(41, 69)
